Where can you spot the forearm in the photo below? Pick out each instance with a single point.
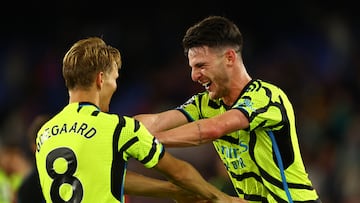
(188, 177)
(191, 179)
(191, 134)
(139, 185)
(162, 121)
(184, 175)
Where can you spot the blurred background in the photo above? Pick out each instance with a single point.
(309, 49)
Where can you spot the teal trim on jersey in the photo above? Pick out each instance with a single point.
(81, 104)
(247, 153)
(280, 164)
(122, 187)
(187, 115)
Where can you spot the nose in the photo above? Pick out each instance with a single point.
(195, 74)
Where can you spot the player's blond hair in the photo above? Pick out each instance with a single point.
(85, 59)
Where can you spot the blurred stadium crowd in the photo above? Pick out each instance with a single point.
(310, 50)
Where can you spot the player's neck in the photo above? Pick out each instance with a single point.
(239, 81)
(84, 96)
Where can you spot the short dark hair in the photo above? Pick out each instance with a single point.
(213, 31)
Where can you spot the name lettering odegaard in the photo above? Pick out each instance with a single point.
(82, 129)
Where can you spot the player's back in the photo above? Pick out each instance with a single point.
(75, 156)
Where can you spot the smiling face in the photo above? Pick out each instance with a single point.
(209, 68)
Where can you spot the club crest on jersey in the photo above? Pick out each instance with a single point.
(247, 104)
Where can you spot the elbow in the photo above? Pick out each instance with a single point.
(212, 130)
(215, 133)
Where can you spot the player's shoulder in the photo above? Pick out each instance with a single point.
(115, 117)
(256, 85)
(110, 119)
(108, 116)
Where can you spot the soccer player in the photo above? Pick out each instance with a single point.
(82, 151)
(250, 122)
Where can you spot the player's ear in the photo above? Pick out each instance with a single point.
(230, 55)
(99, 80)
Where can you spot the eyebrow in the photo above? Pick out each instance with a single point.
(200, 64)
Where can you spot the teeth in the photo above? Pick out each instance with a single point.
(205, 84)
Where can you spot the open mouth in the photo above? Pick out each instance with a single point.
(206, 85)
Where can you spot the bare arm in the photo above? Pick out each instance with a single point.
(186, 176)
(162, 121)
(140, 185)
(204, 130)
